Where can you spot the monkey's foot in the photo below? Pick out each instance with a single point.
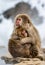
(8, 60)
(40, 57)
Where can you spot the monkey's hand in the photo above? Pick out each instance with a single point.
(27, 40)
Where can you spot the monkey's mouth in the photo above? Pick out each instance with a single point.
(17, 24)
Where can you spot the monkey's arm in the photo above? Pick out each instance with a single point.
(27, 40)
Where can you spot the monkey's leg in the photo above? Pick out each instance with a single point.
(14, 60)
(12, 47)
(40, 54)
(33, 51)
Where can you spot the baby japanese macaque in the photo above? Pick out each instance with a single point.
(25, 40)
(21, 32)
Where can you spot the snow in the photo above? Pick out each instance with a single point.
(6, 27)
(41, 30)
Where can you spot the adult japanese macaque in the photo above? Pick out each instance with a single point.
(25, 40)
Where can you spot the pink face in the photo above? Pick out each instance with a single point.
(18, 21)
(24, 33)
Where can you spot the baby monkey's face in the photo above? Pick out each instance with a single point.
(24, 33)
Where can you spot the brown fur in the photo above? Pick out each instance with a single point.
(29, 46)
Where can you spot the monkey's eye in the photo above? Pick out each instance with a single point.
(19, 19)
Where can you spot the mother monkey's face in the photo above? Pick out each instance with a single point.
(19, 21)
(22, 20)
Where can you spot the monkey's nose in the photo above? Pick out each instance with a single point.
(17, 23)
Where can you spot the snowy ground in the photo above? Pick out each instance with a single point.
(6, 26)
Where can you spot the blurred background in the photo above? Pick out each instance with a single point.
(10, 8)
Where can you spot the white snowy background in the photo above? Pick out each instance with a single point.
(6, 26)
